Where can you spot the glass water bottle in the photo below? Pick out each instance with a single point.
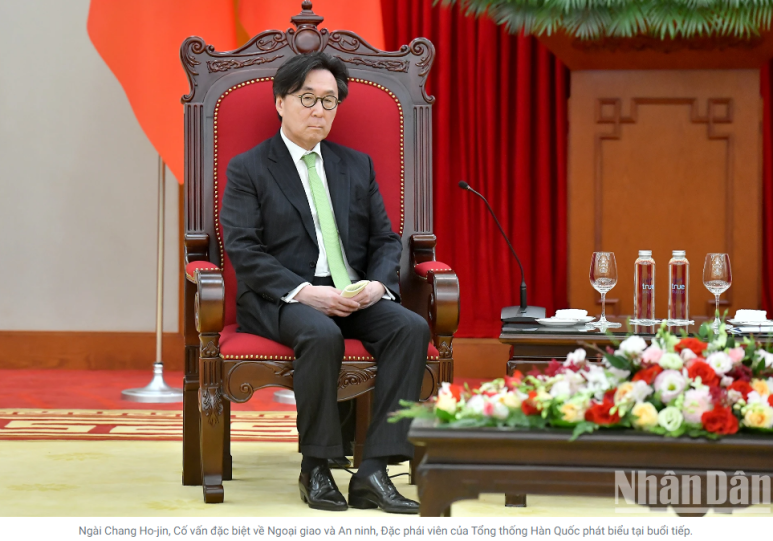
(644, 289)
(678, 287)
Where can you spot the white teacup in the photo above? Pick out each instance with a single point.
(751, 315)
(571, 314)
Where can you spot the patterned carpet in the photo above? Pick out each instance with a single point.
(137, 425)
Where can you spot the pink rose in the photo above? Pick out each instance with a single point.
(488, 409)
(652, 355)
(736, 354)
(696, 403)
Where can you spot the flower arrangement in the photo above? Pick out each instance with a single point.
(706, 386)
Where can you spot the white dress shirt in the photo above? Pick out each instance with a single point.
(297, 153)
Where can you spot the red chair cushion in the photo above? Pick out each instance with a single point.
(437, 266)
(370, 120)
(193, 266)
(239, 345)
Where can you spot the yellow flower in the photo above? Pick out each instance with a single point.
(761, 386)
(623, 391)
(645, 415)
(759, 417)
(446, 402)
(572, 413)
(511, 400)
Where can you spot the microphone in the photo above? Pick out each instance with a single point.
(512, 314)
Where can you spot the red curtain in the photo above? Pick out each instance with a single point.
(766, 89)
(499, 123)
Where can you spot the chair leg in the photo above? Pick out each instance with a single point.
(191, 433)
(227, 458)
(364, 409)
(212, 428)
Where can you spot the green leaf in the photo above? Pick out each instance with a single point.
(620, 363)
(583, 427)
(537, 421)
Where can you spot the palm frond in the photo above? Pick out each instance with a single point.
(589, 19)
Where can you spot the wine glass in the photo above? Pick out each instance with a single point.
(717, 278)
(603, 277)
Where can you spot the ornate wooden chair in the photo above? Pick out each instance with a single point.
(228, 111)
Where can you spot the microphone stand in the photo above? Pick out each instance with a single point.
(512, 314)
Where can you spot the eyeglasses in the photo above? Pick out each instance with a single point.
(309, 100)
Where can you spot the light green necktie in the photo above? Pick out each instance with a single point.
(327, 223)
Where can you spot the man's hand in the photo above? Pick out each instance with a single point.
(370, 295)
(328, 300)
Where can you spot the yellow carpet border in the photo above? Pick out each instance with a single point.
(135, 425)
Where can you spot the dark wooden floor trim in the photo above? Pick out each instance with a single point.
(87, 350)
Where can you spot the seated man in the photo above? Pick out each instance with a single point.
(302, 219)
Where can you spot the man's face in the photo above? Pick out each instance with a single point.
(307, 126)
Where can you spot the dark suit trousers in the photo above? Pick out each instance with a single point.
(396, 337)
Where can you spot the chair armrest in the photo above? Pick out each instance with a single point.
(443, 302)
(435, 267)
(209, 303)
(193, 266)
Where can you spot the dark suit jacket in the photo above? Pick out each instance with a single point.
(269, 232)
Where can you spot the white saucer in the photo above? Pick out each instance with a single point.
(564, 322)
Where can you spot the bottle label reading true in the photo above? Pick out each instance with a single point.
(678, 304)
(644, 297)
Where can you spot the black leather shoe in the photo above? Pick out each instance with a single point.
(319, 490)
(377, 490)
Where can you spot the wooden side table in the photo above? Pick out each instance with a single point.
(536, 345)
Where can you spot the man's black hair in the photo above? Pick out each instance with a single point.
(292, 74)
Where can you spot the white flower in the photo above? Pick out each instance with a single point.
(670, 383)
(476, 403)
(561, 389)
(445, 388)
(576, 357)
(726, 381)
(755, 398)
(617, 374)
(632, 392)
(575, 380)
(641, 391)
(633, 345)
(500, 411)
(598, 382)
(734, 396)
(720, 362)
(687, 354)
(670, 418)
(671, 361)
(764, 356)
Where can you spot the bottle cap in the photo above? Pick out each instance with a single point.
(679, 253)
(645, 253)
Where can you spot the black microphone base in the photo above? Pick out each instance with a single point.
(514, 314)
